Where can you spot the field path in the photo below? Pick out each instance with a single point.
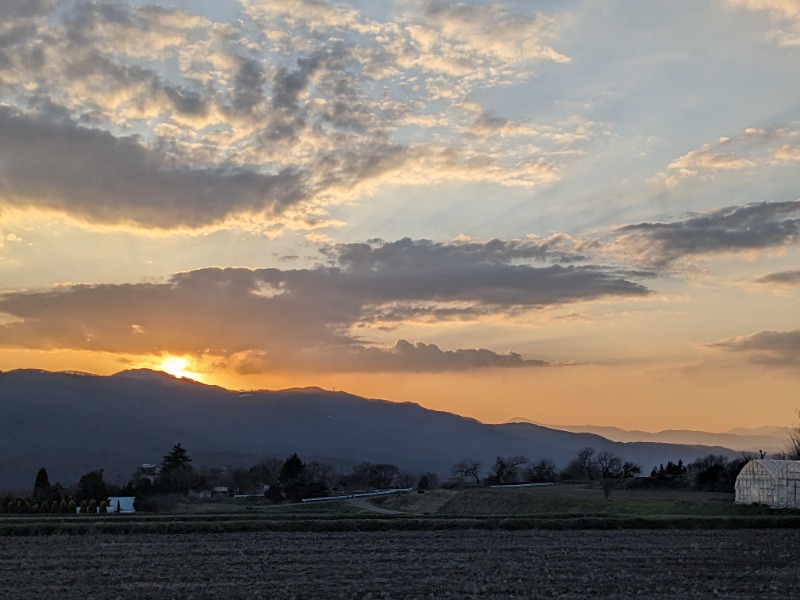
(365, 505)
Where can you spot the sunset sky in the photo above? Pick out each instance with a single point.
(569, 211)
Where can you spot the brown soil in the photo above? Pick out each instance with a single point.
(735, 564)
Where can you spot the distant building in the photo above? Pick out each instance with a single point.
(147, 471)
(773, 483)
(121, 504)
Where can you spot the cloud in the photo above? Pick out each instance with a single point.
(784, 13)
(313, 318)
(788, 153)
(780, 278)
(94, 176)
(771, 348)
(404, 356)
(727, 230)
(187, 122)
(476, 36)
(750, 150)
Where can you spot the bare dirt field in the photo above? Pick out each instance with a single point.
(744, 563)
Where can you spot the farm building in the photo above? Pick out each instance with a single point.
(770, 482)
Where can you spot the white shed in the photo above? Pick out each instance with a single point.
(123, 504)
(771, 482)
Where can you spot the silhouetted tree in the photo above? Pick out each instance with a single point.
(274, 493)
(91, 487)
(468, 468)
(293, 478)
(378, 476)
(42, 490)
(583, 466)
(715, 473)
(405, 480)
(176, 470)
(505, 469)
(177, 458)
(382, 476)
(542, 471)
(630, 469)
(293, 469)
(793, 446)
(428, 481)
(609, 465)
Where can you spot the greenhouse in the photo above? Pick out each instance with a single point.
(770, 482)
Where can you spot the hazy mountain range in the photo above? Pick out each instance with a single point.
(71, 423)
(768, 439)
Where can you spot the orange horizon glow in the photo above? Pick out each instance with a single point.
(178, 366)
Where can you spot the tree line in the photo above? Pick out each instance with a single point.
(160, 487)
(589, 465)
(292, 479)
(89, 496)
(714, 473)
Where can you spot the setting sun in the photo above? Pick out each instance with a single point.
(177, 367)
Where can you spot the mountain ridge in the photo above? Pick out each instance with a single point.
(72, 424)
(768, 438)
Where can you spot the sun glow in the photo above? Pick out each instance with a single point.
(177, 367)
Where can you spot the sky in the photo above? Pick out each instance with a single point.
(570, 212)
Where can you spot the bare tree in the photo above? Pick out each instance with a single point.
(630, 469)
(468, 468)
(793, 445)
(609, 464)
(583, 466)
(541, 471)
(505, 468)
(405, 479)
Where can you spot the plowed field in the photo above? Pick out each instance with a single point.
(407, 564)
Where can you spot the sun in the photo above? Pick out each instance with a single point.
(177, 367)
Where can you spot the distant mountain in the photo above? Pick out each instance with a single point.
(769, 439)
(71, 423)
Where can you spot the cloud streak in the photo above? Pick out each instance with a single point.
(780, 278)
(728, 230)
(771, 348)
(750, 151)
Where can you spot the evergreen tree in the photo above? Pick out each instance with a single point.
(42, 490)
(293, 478)
(292, 469)
(176, 470)
(177, 458)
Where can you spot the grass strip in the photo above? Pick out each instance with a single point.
(392, 523)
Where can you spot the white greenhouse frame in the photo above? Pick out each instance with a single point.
(770, 482)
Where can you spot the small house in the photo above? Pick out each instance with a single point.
(770, 482)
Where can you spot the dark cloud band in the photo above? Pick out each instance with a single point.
(731, 229)
(296, 318)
